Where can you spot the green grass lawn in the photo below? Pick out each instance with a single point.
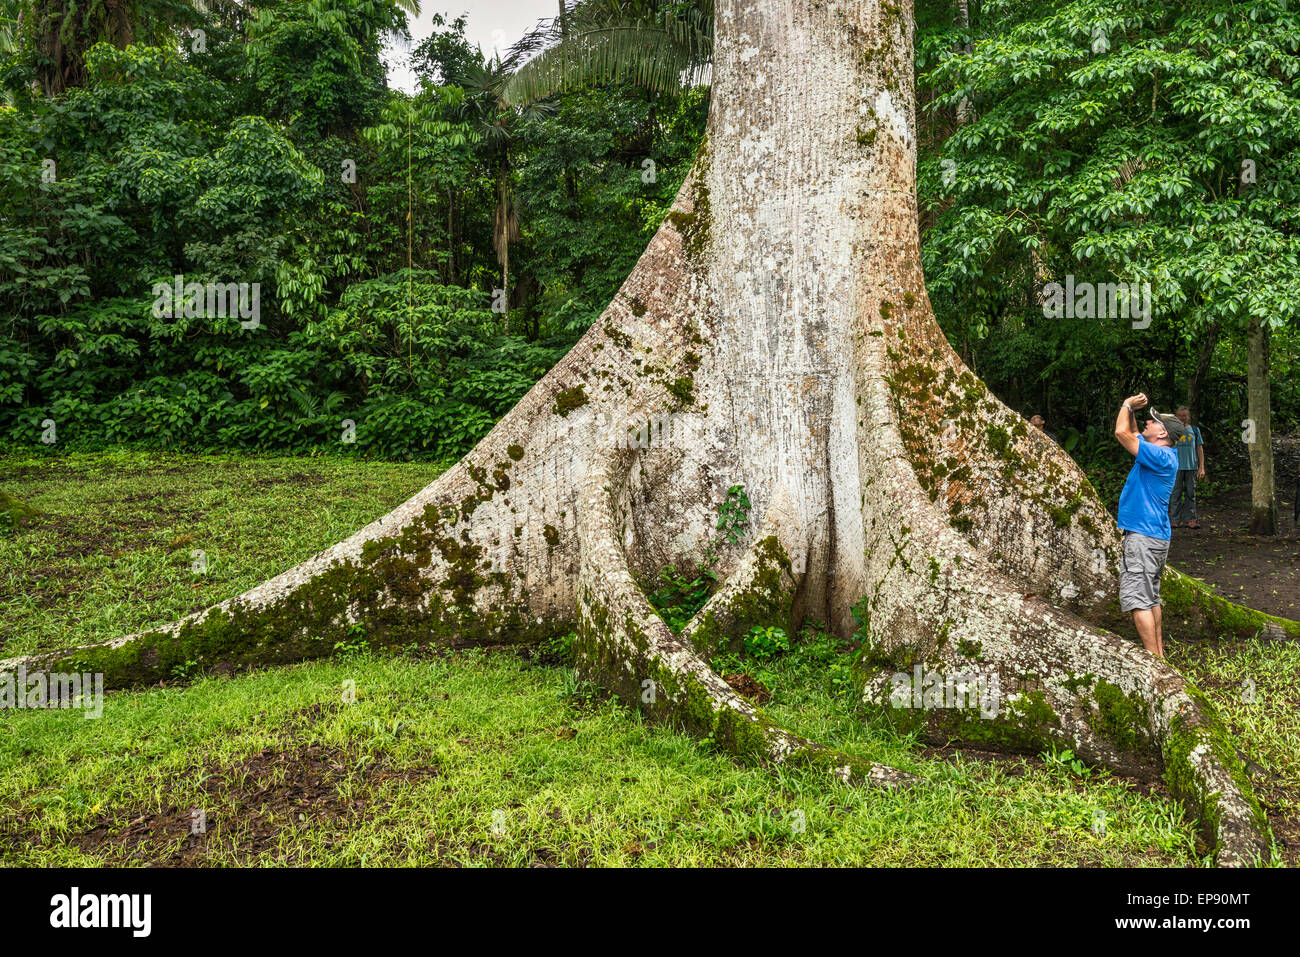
(115, 548)
(486, 757)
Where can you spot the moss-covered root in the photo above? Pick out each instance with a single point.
(415, 576)
(347, 605)
(1190, 603)
(14, 513)
(625, 647)
(1203, 770)
(1105, 699)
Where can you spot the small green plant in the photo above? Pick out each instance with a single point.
(733, 513)
(817, 657)
(733, 516)
(354, 644)
(726, 663)
(1066, 763)
(558, 648)
(679, 597)
(382, 732)
(577, 690)
(765, 643)
(184, 672)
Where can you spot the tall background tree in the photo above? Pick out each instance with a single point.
(1138, 143)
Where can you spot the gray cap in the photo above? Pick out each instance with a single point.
(1173, 425)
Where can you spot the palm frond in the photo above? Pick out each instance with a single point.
(10, 17)
(645, 54)
(656, 45)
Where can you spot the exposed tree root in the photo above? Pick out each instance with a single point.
(624, 645)
(935, 598)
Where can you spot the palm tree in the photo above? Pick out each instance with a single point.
(659, 44)
(496, 122)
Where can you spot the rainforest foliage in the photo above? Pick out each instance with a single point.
(220, 227)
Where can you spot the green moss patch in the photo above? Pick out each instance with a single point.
(569, 399)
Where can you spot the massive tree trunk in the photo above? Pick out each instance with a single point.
(1259, 431)
(778, 335)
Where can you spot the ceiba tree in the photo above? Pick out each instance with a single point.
(780, 318)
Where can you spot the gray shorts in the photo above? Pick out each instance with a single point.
(1140, 571)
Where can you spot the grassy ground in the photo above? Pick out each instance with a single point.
(486, 758)
(115, 547)
(481, 757)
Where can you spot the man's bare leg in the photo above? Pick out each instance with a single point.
(1144, 619)
(1157, 612)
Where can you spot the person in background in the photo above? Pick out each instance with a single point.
(1191, 468)
(1038, 422)
(1144, 516)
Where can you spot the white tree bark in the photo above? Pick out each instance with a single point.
(1263, 495)
(778, 324)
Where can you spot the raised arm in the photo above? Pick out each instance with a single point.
(1126, 430)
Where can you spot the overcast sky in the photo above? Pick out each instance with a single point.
(493, 25)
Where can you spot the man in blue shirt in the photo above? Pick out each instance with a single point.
(1191, 469)
(1144, 515)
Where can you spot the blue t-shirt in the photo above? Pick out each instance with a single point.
(1144, 503)
(1188, 460)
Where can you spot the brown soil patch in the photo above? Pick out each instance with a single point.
(748, 687)
(248, 807)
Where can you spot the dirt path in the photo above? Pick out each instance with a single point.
(1261, 573)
